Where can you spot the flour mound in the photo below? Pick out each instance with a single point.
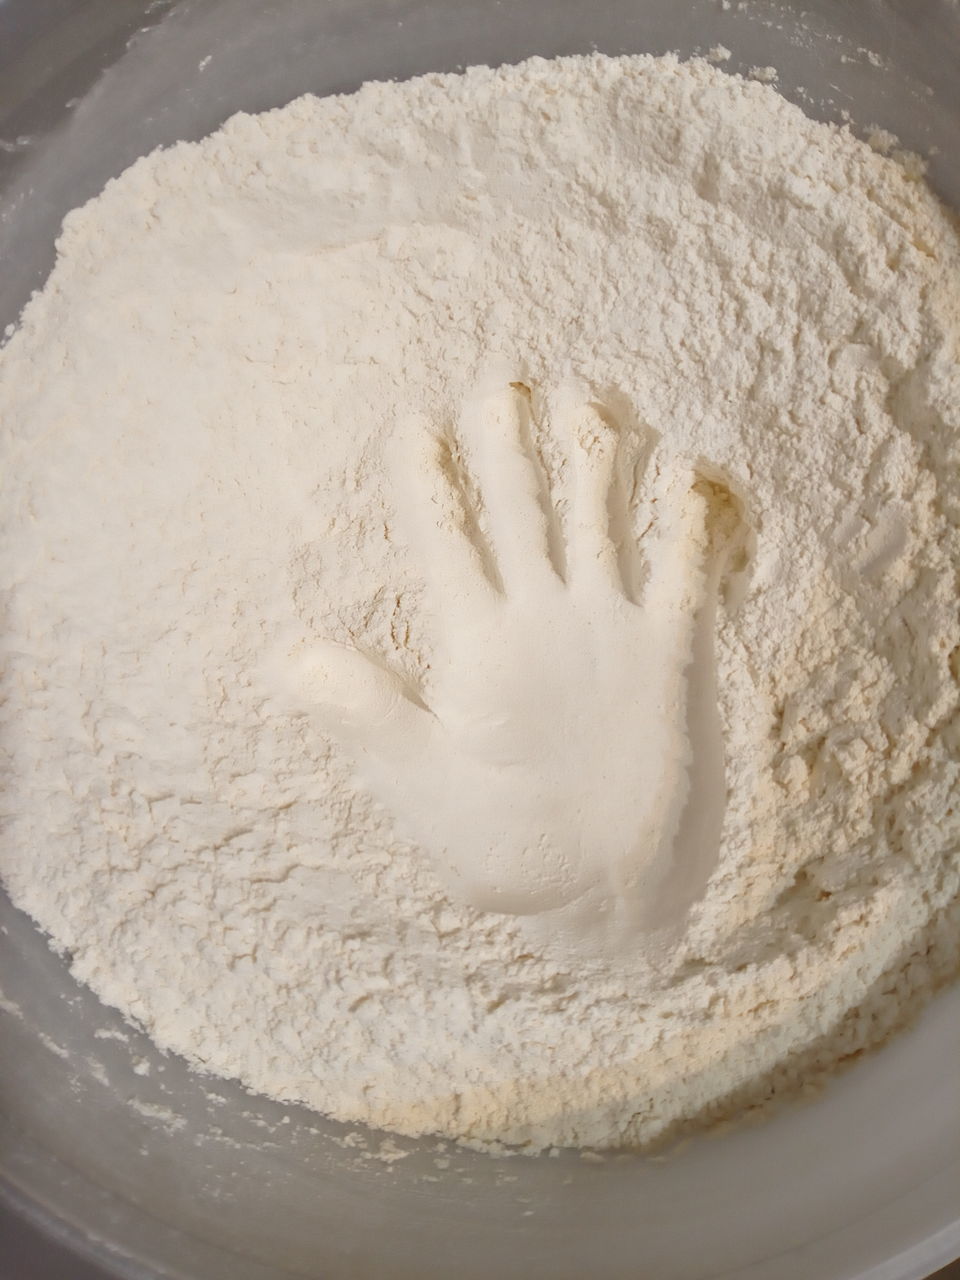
(195, 417)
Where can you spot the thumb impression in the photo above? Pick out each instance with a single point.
(360, 701)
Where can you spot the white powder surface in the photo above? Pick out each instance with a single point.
(479, 566)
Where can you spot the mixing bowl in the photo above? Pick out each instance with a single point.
(137, 1161)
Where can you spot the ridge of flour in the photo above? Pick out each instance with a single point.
(194, 412)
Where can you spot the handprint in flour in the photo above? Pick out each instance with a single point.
(565, 749)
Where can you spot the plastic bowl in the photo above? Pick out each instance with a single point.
(151, 1169)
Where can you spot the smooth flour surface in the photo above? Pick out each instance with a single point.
(481, 633)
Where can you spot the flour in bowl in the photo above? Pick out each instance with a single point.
(479, 559)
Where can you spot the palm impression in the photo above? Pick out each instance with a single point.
(564, 750)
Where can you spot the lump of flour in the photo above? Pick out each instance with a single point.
(481, 630)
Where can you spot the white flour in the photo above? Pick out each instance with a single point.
(611, 409)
